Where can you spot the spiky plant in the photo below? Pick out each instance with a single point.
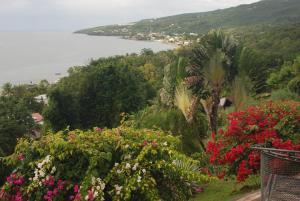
(185, 101)
(238, 94)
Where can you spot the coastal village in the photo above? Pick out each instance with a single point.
(179, 39)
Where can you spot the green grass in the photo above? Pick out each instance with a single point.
(227, 190)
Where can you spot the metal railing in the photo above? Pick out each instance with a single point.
(280, 174)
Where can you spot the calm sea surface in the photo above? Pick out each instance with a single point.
(31, 57)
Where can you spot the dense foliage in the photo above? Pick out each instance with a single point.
(97, 95)
(15, 122)
(26, 92)
(118, 164)
(271, 124)
(289, 75)
(172, 120)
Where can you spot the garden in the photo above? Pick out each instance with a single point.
(178, 125)
(141, 164)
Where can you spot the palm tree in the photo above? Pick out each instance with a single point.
(174, 73)
(212, 67)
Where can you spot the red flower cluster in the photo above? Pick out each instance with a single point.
(15, 180)
(52, 188)
(272, 124)
(14, 183)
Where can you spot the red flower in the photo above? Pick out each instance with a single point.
(21, 157)
(278, 123)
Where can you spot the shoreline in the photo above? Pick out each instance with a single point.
(135, 38)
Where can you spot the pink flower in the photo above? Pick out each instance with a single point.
(90, 195)
(18, 196)
(60, 184)
(78, 196)
(98, 129)
(76, 188)
(21, 157)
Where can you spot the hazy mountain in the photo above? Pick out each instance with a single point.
(268, 12)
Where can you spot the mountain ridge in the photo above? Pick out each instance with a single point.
(271, 12)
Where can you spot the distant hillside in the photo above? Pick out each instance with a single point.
(270, 12)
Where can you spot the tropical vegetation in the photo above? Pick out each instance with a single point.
(171, 125)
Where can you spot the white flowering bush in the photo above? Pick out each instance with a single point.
(118, 164)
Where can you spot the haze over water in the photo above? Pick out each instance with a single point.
(30, 57)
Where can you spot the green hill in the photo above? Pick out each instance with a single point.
(266, 12)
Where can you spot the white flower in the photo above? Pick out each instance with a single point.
(93, 180)
(135, 167)
(119, 171)
(95, 193)
(165, 144)
(126, 146)
(53, 170)
(144, 171)
(47, 159)
(139, 179)
(102, 186)
(127, 157)
(41, 173)
(98, 188)
(86, 197)
(118, 188)
(116, 164)
(128, 166)
(40, 165)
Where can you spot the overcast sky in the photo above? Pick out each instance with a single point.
(55, 15)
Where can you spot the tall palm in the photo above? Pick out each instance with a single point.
(212, 67)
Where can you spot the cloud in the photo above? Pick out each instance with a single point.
(76, 14)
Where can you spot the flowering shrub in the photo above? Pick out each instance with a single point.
(271, 124)
(118, 164)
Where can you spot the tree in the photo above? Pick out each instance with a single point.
(15, 122)
(287, 76)
(174, 73)
(96, 96)
(211, 67)
(252, 66)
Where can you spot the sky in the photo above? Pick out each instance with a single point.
(71, 15)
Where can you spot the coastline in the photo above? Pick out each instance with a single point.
(176, 41)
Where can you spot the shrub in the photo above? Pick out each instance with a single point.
(117, 164)
(274, 124)
(284, 94)
(294, 85)
(172, 120)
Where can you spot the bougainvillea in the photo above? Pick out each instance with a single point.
(271, 124)
(118, 164)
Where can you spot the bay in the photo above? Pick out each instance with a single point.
(30, 57)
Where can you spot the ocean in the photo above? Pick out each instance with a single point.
(30, 57)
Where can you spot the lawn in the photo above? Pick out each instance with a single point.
(227, 190)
